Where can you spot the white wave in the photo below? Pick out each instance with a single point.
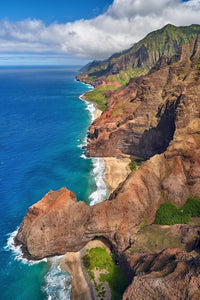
(17, 250)
(98, 171)
(101, 189)
(90, 86)
(92, 110)
(83, 144)
(57, 282)
(83, 156)
(89, 106)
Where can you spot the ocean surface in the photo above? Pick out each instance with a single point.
(43, 125)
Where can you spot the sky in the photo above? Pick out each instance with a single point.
(75, 32)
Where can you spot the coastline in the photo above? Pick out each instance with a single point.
(116, 169)
(56, 278)
(108, 173)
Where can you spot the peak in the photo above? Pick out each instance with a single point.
(169, 26)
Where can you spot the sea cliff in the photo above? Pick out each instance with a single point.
(154, 118)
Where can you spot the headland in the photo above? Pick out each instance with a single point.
(151, 219)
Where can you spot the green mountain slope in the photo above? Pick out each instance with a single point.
(142, 55)
(138, 60)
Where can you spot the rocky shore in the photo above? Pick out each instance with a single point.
(156, 119)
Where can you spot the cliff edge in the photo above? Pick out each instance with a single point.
(154, 117)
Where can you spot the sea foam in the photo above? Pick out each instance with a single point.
(17, 250)
(57, 282)
(99, 174)
(99, 169)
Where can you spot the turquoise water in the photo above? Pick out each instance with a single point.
(42, 126)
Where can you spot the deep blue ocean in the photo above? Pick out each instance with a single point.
(42, 126)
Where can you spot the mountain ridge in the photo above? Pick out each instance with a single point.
(156, 117)
(176, 35)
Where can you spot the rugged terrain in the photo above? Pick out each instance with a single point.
(141, 117)
(58, 223)
(155, 117)
(141, 57)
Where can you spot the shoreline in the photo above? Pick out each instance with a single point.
(99, 169)
(82, 287)
(116, 169)
(111, 171)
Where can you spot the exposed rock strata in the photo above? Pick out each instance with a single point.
(58, 223)
(169, 275)
(156, 113)
(141, 118)
(141, 56)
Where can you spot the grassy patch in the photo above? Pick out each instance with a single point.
(98, 258)
(97, 96)
(155, 238)
(169, 214)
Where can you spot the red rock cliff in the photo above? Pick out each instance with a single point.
(58, 223)
(141, 118)
(155, 114)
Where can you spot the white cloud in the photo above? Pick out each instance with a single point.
(125, 22)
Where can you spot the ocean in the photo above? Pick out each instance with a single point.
(43, 126)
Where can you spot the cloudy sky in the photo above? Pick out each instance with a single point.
(55, 31)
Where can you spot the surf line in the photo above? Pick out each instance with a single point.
(99, 169)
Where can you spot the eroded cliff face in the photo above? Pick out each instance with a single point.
(58, 223)
(156, 116)
(170, 274)
(141, 57)
(141, 118)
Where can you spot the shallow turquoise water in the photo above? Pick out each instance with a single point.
(42, 122)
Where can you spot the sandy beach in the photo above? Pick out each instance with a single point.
(82, 287)
(117, 169)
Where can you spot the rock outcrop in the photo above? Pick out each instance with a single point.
(141, 57)
(58, 223)
(156, 116)
(141, 118)
(168, 275)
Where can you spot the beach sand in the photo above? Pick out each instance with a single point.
(82, 287)
(117, 170)
(97, 113)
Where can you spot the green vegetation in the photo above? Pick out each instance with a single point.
(124, 76)
(192, 207)
(97, 96)
(134, 165)
(169, 214)
(99, 259)
(119, 67)
(157, 43)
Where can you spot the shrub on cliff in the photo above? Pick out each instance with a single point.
(192, 207)
(133, 165)
(169, 214)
